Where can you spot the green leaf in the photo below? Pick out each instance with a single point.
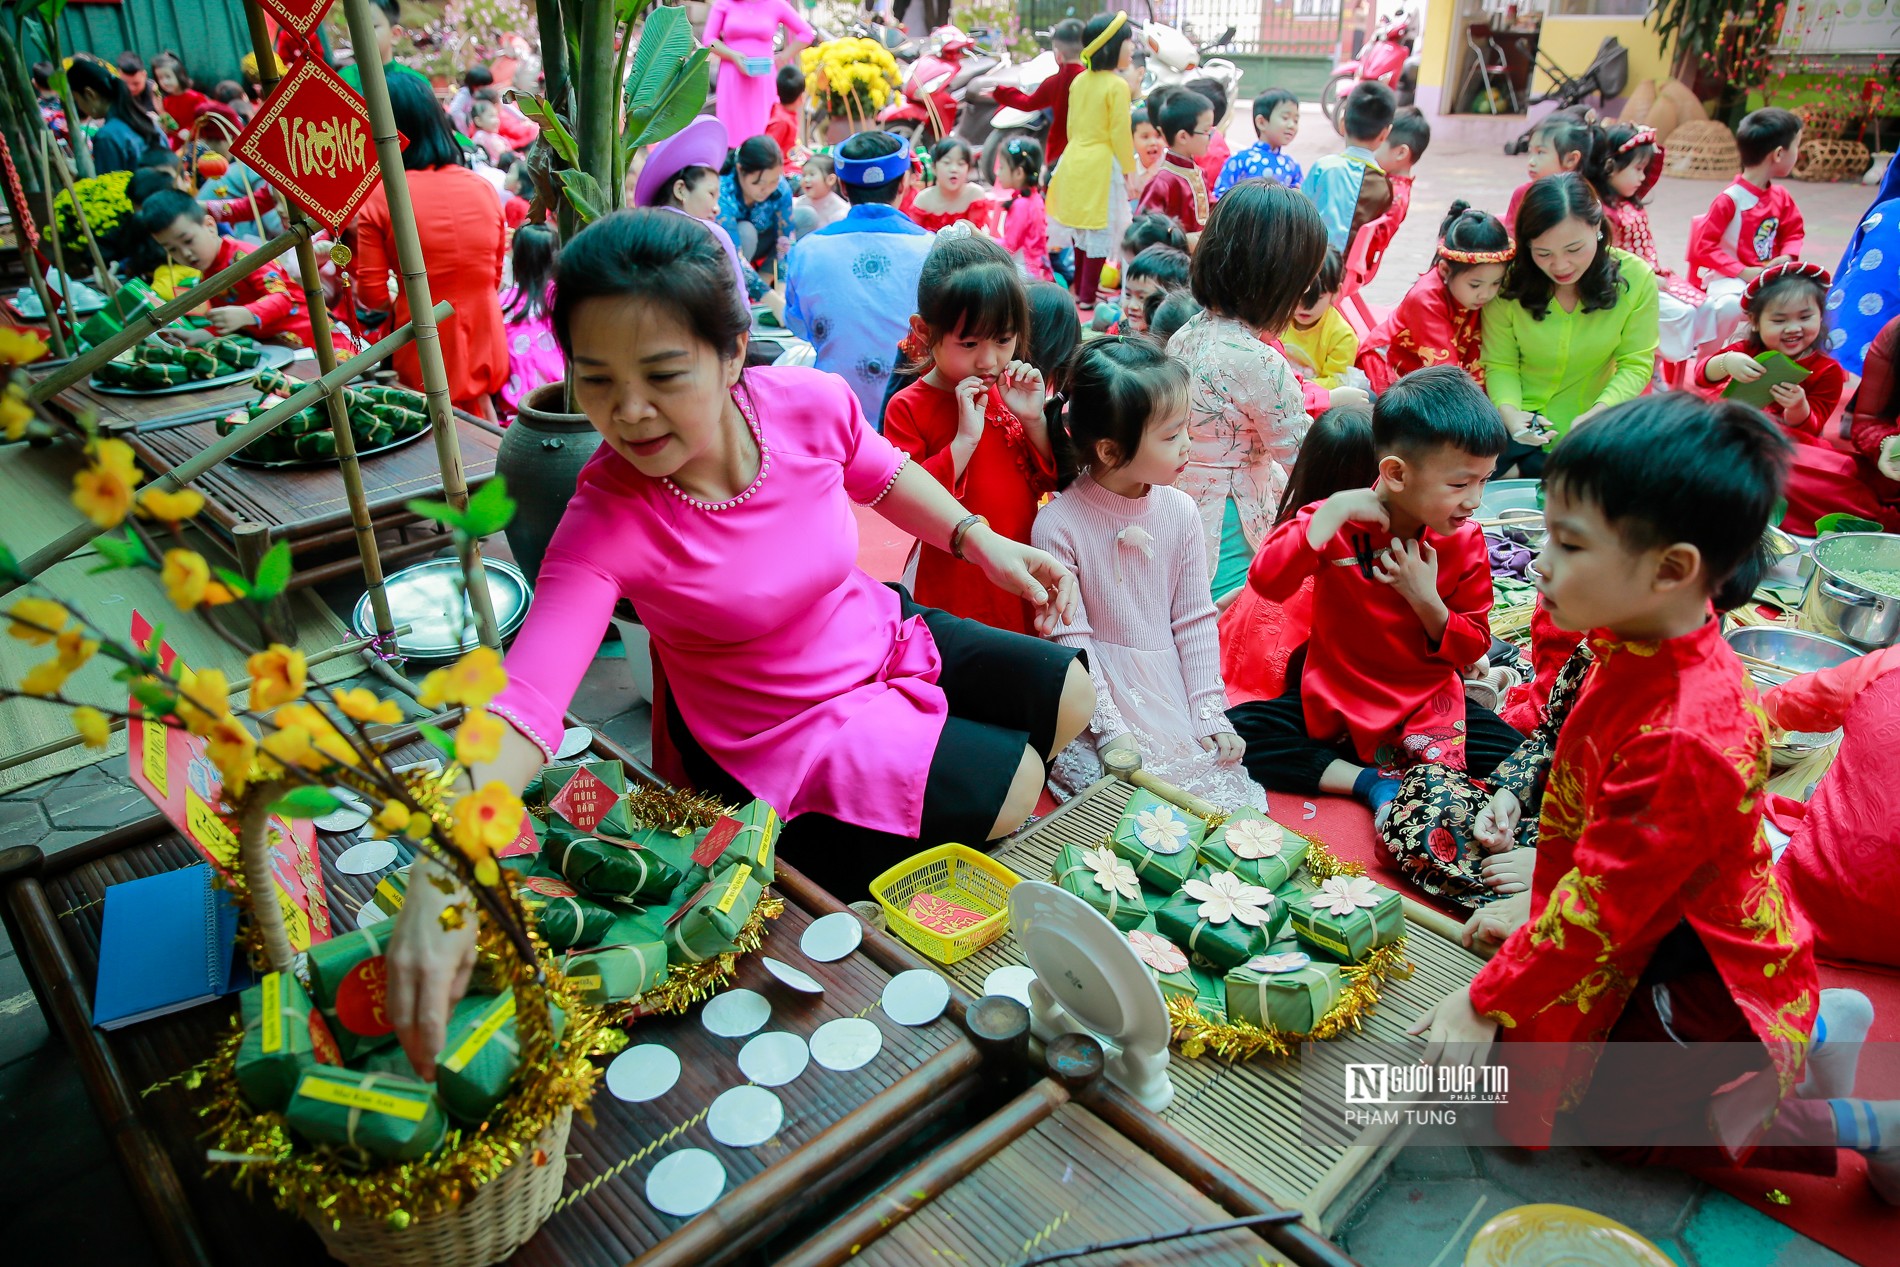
(439, 738)
(630, 10)
(441, 512)
(306, 802)
(584, 194)
(676, 103)
(121, 551)
(154, 697)
(233, 581)
(9, 565)
(553, 128)
(1841, 521)
(489, 509)
(273, 573)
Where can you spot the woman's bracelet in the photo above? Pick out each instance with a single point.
(962, 530)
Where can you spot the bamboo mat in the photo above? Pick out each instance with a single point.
(38, 509)
(1070, 1181)
(1248, 1114)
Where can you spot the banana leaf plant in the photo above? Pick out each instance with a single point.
(621, 74)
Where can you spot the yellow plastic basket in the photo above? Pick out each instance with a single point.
(956, 874)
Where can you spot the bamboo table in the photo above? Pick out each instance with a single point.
(837, 1126)
(1248, 1114)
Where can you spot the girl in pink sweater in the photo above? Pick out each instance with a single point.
(1025, 223)
(1134, 543)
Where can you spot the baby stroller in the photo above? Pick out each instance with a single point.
(1606, 76)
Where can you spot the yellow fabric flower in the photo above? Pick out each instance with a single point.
(92, 725)
(185, 576)
(156, 503)
(359, 704)
(103, 491)
(232, 749)
(471, 681)
(324, 736)
(204, 697)
(478, 738)
(392, 817)
(20, 347)
(15, 413)
(277, 676)
(484, 822)
(41, 612)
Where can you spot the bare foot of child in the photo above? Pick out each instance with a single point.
(1510, 872)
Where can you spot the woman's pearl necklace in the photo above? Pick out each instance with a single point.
(765, 464)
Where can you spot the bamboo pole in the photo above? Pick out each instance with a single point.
(82, 153)
(322, 344)
(415, 275)
(258, 427)
(107, 281)
(35, 275)
(59, 259)
(50, 385)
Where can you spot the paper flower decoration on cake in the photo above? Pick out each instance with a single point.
(1114, 875)
(1344, 894)
(1225, 896)
(1160, 830)
(1252, 839)
(1158, 952)
(1273, 965)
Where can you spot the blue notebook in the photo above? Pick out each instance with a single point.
(166, 944)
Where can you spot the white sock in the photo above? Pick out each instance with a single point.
(1834, 1057)
(1867, 1126)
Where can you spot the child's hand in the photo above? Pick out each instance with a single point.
(1889, 460)
(230, 319)
(1511, 872)
(1023, 391)
(972, 400)
(1491, 925)
(1475, 672)
(1349, 397)
(1351, 506)
(1411, 568)
(1789, 396)
(1454, 1033)
(1227, 747)
(1742, 367)
(1496, 828)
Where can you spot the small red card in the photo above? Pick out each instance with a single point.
(312, 141)
(942, 916)
(585, 800)
(300, 16)
(723, 833)
(524, 841)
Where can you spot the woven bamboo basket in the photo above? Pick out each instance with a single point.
(1702, 150)
(1636, 108)
(1818, 125)
(1827, 159)
(487, 1229)
(503, 1213)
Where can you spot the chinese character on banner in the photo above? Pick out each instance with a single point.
(300, 16)
(312, 141)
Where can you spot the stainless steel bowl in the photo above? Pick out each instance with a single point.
(1853, 611)
(1796, 652)
(1514, 504)
(430, 598)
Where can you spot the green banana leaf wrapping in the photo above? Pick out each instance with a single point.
(1227, 944)
(1267, 853)
(1158, 840)
(383, 1114)
(1351, 937)
(565, 919)
(710, 921)
(478, 1060)
(1080, 878)
(617, 974)
(284, 1034)
(1290, 1000)
(610, 872)
(348, 980)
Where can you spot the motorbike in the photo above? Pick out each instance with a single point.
(1170, 58)
(987, 127)
(936, 87)
(1388, 59)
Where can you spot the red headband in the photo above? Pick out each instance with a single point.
(1643, 136)
(1477, 257)
(1794, 268)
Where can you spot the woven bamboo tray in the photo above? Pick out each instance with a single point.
(1248, 1115)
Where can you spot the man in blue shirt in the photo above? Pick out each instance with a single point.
(851, 287)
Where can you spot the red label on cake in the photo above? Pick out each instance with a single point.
(548, 886)
(524, 841)
(360, 999)
(585, 800)
(723, 833)
(322, 1044)
(687, 905)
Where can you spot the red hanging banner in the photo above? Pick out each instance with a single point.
(311, 139)
(300, 16)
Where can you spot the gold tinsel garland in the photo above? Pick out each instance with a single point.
(1241, 1040)
(1323, 864)
(687, 984)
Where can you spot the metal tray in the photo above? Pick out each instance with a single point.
(274, 358)
(311, 464)
(26, 304)
(428, 597)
